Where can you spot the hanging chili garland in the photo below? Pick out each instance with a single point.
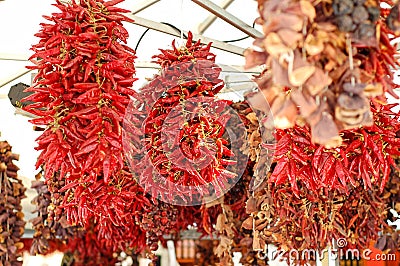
(316, 195)
(81, 92)
(183, 128)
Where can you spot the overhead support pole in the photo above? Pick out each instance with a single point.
(225, 68)
(14, 57)
(203, 26)
(13, 77)
(143, 5)
(228, 17)
(168, 30)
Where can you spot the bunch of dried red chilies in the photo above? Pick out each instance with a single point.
(183, 128)
(81, 92)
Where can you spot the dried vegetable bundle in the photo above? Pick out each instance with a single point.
(183, 131)
(324, 61)
(231, 210)
(81, 92)
(12, 224)
(389, 241)
(50, 223)
(315, 195)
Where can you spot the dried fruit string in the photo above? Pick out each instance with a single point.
(310, 64)
(50, 223)
(12, 224)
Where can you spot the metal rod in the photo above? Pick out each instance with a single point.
(143, 5)
(13, 57)
(151, 65)
(225, 68)
(13, 77)
(203, 26)
(228, 17)
(167, 29)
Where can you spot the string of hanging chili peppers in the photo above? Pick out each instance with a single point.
(81, 92)
(188, 154)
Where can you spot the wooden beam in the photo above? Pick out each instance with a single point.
(228, 17)
(203, 26)
(143, 5)
(168, 30)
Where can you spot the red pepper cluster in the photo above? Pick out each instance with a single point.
(80, 250)
(364, 158)
(81, 92)
(183, 128)
(316, 195)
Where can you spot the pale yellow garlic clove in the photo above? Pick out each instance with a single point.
(373, 90)
(274, 45)
(308, 9)
(299, 76)
(318, 81)
(325, 132)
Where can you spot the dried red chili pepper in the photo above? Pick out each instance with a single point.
(176, 103)
(81, 93)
